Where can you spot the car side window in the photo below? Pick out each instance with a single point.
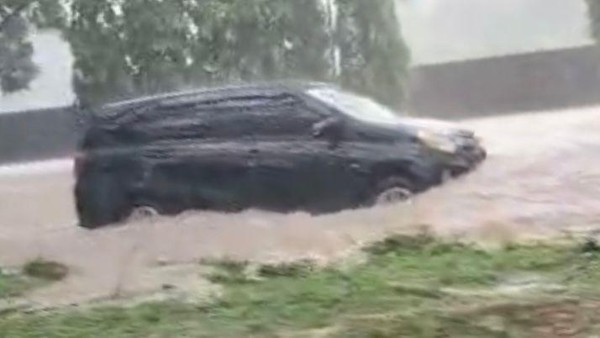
(228, 122)
(217, 119)
(290, 118)
(236, 118)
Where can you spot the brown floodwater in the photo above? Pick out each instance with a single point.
(542, 179)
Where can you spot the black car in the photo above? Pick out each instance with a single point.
(306, 146)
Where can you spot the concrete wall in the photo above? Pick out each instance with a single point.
(533, 81)
(37, 134)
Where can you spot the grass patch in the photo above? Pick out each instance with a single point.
(11, 285)
(46, 270)
(228, 271)
(34, 274)
(287, 269)
(402, 291)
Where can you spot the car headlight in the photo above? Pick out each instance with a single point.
(437, 141)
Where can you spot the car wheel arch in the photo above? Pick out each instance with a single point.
(385, 171)
(421, 175)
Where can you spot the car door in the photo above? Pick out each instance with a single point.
(293, 167)
(277, 170)
(338, 173)
(208, 169)
(221, 164)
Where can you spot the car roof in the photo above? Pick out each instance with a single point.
(215, 93)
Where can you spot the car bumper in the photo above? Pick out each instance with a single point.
(466, 159)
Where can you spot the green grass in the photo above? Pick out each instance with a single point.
(34, 274)
(410, 287)
(11, 285)
(46, 270)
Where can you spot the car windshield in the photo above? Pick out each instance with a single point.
(355, 106)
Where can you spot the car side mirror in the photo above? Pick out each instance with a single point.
(331, 129)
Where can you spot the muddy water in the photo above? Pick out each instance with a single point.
(542, 178)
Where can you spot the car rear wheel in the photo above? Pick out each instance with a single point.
(100, 201)
(391, 191)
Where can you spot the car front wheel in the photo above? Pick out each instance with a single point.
(142, 213)
(100, 201)
(391, 191)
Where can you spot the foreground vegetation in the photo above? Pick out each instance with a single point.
(34, 274)
(11, 285)
(407, 287)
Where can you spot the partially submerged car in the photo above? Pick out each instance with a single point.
(306, 146)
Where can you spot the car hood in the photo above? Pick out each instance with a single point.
(434, 125)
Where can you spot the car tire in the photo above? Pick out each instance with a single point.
(100, 201)
(142, 213)
(391, 191)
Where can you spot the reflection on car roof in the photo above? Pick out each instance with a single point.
(255, 89)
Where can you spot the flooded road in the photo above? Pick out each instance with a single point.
(542, 178)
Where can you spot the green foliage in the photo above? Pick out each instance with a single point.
(287, 269)
(428, 289)
(148, 46)
(401, 242)
(17, 284)
(594, 17)
(10, 285)
(227, 271)
(45, 270)
(128, 48)
(34, 274)
(374, 57)
(234, 272)
(16, 67)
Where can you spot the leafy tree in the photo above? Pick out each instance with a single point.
(16, 18)
(16, 66)
(128, 48)
(594, 14)
(373, 55)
